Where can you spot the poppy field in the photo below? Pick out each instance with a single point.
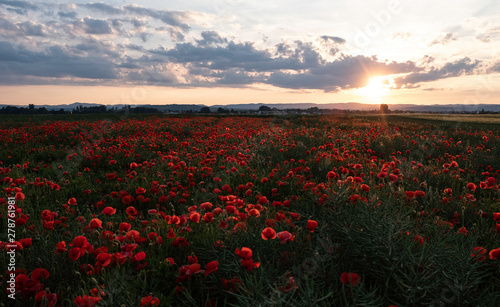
(242, 211)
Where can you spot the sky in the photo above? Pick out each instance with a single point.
(238, 51)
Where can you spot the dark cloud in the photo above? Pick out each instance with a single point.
(68, 15)
(54, 62)
(137, 23)
(494, 68)
(172, 18)
(152, 76)
(57, 47)
(458, 68)
(444, 39)
(296, 66)
(335, 39)
(97, 26)
(29, 28)
(489, 34)
(102, 7)
(244, 56)
(23, 29)
(210, 37)
(18, 7)
(344, 73)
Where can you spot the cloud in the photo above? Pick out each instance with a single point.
(54, 62)
(464, 66)
(68, 15)
(116, 45)
(494, 67)
(172, 18)
(335, 39)
(488, 35)
(444, 39)
(296, 66)
(19, 7)
(401, 35)
(22, 29)
(29, 28)
(211, 37)
(244, 55)
(96, 26)
(104, 8)
(344, 73)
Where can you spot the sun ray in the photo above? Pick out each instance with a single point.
(376, 88)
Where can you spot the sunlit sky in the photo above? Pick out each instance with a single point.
(238, 51)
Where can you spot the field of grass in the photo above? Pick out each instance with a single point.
(397, 210)
(465, 118)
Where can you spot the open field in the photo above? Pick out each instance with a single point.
(238, 211)
(466, 118)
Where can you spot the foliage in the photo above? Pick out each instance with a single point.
(223, 210)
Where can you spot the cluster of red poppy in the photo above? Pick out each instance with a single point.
(142, 190)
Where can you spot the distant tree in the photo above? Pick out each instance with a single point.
(42, 111)
(384, 108)
(205, 110)
(31, 106)
(265, 109)
(221, 110)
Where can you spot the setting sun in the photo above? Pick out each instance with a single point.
(376, 88)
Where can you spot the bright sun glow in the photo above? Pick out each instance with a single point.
(376, 88)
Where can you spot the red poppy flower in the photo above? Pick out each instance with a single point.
(128, 199)
(50, 298)
(74, 253)
(268, 233)
(87, 301)
(285, 236)
(393, 177)
(471, 186)
(72, 201)
(419, 239)
(496, 216)
(103, 259)
(245, 253)
(124, 226)
(170, 261)
(95, 223)
(108, 211)
(194, 217)
(263, 200)
(39, 274)
(26, 242)
(479, 253)
(248, 264)
(140, 256)
(382, 175)
(463, 230)
(311, 225)
(19, 196)
(351, 279)
(131, 211)
(494, 254)
(186, 271)
(79, 241)
(61, 247)
(212, 266)
(150, 301)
